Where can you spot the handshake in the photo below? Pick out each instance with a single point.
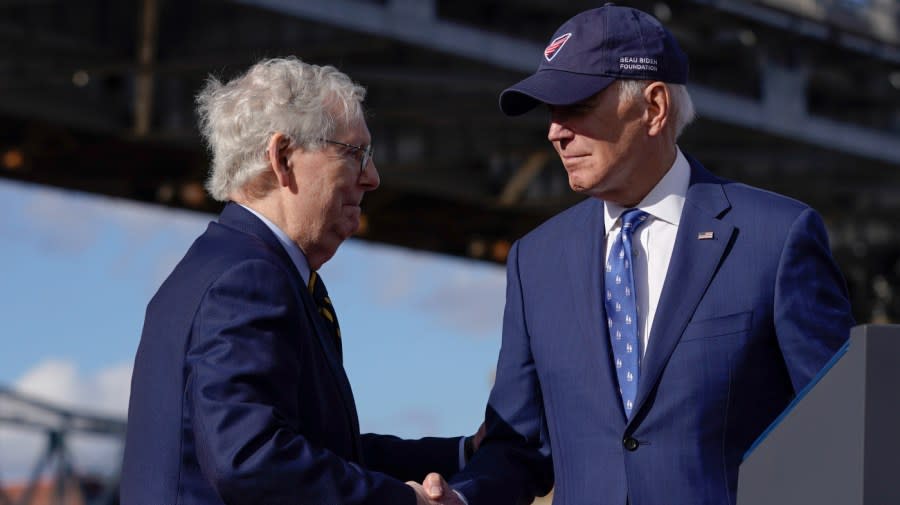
(434, 490)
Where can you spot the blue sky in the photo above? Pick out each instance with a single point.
(421, 331)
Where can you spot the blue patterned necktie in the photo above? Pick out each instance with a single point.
(621, 309)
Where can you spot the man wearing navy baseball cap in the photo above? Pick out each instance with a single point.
(653, 331)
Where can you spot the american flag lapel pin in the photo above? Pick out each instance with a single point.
(705, 235)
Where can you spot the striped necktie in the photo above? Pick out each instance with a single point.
(323, 302)
(621, 309)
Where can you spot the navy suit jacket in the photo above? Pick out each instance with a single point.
(745, 320)
(239, 395)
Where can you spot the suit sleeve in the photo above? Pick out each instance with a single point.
(243, 393)
(411, 459)
(513, 464)
(812, 308)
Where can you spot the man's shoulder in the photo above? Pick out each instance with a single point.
(758, 202)
(227, 244)
(579, 218)
(739, 192)
(219, 249)
(742, 196)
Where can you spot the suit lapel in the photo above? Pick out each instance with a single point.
(584, 258)
(695, 259)
(334, 362)
(583, 254)
(240, 219)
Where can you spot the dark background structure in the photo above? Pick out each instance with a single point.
(798, 96)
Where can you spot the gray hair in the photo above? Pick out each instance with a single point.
(307, 103)
(682, 105)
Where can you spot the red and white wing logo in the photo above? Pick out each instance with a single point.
(554, 47)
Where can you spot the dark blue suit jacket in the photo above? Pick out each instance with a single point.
(744, 321)
(239, 396)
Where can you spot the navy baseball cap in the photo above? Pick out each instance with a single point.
(592, 50)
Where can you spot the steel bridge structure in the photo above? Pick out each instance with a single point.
(55, 464)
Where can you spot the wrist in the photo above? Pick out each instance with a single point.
(468, 448)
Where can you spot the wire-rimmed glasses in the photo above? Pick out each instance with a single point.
(364, 153)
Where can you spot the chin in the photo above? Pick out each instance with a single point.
(351, 230)
(344, 232)
(577, 186)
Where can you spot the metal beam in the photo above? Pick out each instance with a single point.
(823, 132)
(422, 28)
(42, 415)
(810, 20)
(523, 177)
(878, 17)
(143, 96)
(415, 26)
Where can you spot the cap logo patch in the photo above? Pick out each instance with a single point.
(554, 47)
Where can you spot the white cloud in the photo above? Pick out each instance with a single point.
(59, 383)
(140, 237)
(69, 223)
(400, 273)
(471, 301)
(392, 274)
(465, 295)
(80, 213)
(58, 222)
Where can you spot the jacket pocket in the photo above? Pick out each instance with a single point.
(718, 326)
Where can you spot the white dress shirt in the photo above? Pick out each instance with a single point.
(654, 242)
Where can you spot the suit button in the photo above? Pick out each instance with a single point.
(630, 443)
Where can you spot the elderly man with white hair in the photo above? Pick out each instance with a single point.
(239, 394)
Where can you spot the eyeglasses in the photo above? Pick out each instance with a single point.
(364, 153)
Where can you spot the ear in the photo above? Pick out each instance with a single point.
(278, 153)
(657, 99)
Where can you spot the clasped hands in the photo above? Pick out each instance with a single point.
(434, 490)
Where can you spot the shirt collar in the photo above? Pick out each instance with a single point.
(289, 245)
(665, 201)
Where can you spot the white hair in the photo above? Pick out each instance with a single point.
(681, 103)
(307, 103)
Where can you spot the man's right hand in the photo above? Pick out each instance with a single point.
(434, 490)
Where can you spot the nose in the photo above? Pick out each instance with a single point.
(558, 131)
(369, 178)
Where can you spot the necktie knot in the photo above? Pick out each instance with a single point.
(632, 219)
